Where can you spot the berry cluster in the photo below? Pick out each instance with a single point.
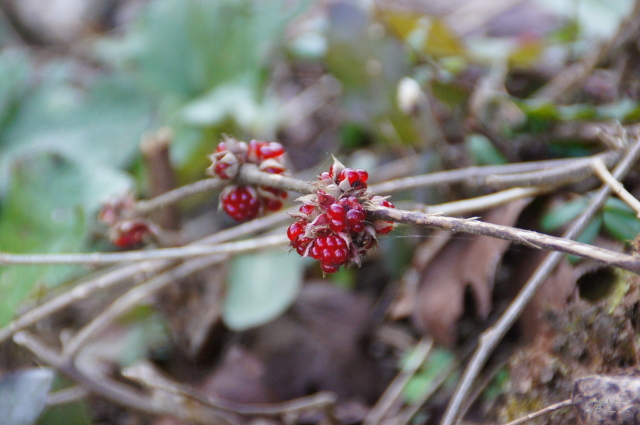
(244, 202)
(332, 225)
(124, 231)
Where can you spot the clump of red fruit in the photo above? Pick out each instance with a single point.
(331, 225)
(247, 202)
(125, 231)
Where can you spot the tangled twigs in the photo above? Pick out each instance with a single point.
(492, 336)
(131, 298)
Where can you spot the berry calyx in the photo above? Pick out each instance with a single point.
(240, 202)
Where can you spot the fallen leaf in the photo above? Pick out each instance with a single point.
(465, 262)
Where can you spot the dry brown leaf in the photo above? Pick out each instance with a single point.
(319, 344)
(553, 294)
(465, 262)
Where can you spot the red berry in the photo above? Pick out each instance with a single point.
(240, 202)
(363, 176)
(349, 174)
(355, 220)
(270, 150)
(384, 230)
(295, 230)
(307, 209)
(329, 268)
(330, 249)
(272, 204)
(130, 234)
(336, 212)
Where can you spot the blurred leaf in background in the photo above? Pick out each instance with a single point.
(205, 63)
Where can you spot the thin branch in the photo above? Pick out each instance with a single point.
(111, 390)
(617, 187)
(556, 176)
(394, 390)
(207, 185)
(515, 235)
(481, 176)
(117, 392)
(147, 375)
(66, 396)
(481, 203)
(541, 412)
(492, 336)
(475, 176)
(137, 272)
(131, 298)
(572, 77)
(151, 254)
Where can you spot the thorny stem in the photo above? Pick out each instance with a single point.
(519, 236)
(492, 336)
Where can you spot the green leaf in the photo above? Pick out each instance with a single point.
(482, 150)
(49, 203)
(620, 220)
(261, 287)
(439, 360)
(101, 125)
(563, 214)
(23, 395)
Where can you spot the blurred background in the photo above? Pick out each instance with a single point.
(402, 87)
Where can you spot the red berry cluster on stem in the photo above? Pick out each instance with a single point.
(125, 231)
(245, 202)
(331, 225)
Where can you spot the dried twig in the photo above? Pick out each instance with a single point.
(151, 254)
(541, 412)
(131, 298)
(394, 390)
(617, 187)
(117, 392)
(147, 375)
(492, 336)
(572, 77)
(519, 236)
